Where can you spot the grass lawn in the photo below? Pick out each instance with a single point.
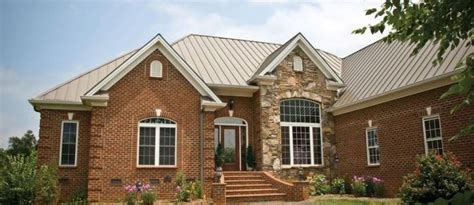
(350, 200)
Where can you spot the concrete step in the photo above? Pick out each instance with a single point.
(239, 173)
(255, 197)
(251, 191)
(247, 186)
(238, 177)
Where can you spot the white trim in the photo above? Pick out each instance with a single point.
(367, 130)
(61, 143)
(300, 40)
(157, 127)
(431, 117)
(209, 106)
(234, 90)
(158, 42)
(240, 134)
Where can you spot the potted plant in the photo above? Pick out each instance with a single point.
(219, 160)
(250, 158)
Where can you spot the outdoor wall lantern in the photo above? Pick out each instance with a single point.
(218, 174)
(139, 186)
(231, 107)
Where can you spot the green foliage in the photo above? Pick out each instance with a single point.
(187, 191)
(435, 176)
(250, 158)
(218, 156)
(24, 145)
(148, 197)
(47, 184)
(338, 186)
(359, 187)
(79, 197)
(130, 198)
(18, 179)
(319, 185)
(446, 23)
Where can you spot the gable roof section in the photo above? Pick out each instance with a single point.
(230, 61)
(381, 68)
(158, 42)
(272, 61)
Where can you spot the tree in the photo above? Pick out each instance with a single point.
(24, 145)
(445, 22)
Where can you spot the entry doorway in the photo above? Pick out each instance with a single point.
(232, 133)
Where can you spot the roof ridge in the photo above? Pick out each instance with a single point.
(230, 38)
(84, 73)
(363, 48)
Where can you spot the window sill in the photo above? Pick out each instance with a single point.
(373, 165)
(67, 166)
(157, 167)
(302, 166)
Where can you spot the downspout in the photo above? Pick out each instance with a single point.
(201, 146)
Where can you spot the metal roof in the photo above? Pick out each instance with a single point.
(382, 67)
(217, 60)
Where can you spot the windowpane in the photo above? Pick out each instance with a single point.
(285, 145)
(317, 146)
(373, 147)
(299, 110)
(301, 145)
(69, 142)
(433, 136)
(147, 146)
(167, 146)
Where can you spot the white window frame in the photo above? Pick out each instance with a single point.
(290, 126)
(61, 143)
(159, 73)
(157, 127)
(367, 130)
(430, 117)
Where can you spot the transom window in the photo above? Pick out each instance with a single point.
(373, 153)
(433, 135)
(157, 143)
(69, 139)
(301, 137)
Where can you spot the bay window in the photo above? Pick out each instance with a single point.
(157, 143)
(301, 137)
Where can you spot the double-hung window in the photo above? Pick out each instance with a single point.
(432, 134)
(301, 137)
(373, 153)
(157, 143)
(68, 146)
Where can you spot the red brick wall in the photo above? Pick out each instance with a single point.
(135, 97)
(73, 179)
(400, 133)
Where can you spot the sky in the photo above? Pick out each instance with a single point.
(44, 43)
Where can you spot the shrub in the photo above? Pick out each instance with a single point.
(319, 185)
(47, 184)
(187, 191)
(375, 186)
(435, 176)
(250, 157)
(359, 187)
(218, 156)
(131, 196)
(79, 197)
(147, 194)
(338, 186)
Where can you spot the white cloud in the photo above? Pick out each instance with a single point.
(328, 25)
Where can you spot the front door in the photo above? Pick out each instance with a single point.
(230, 143)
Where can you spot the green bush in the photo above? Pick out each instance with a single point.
(187, 191)
(375, 186)
(148, 197)
(218, 155)
(250, 158)
(435, 176)
(338, 186)
(47, 190)
(319, 185)
(79, 197)
(359, 187)
(17, 181)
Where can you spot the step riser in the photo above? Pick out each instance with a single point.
(255, 199)
(251, 192)
(252, 186)
(242, 177)
(245, 182)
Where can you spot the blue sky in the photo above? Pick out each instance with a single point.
(43, 43)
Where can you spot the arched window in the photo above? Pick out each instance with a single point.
(157, 143)
(301, 137)
(156, 69)
(297, 63)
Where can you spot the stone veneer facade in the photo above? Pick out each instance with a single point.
(309, 84)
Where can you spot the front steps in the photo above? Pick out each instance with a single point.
(250, 187)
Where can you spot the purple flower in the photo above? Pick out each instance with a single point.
(178, 189)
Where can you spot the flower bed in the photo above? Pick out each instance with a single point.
(331, 199)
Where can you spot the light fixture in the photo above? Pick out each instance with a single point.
(218, 174)
(231, 107)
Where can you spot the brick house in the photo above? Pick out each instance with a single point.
(164, 107)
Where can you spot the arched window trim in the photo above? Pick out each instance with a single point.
(156, 69)
(158, 127)
(289, 128)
